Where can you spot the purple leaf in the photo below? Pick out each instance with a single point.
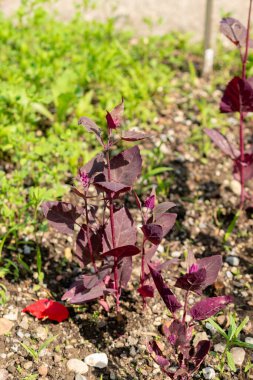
(235, 31)
(178, 334)
(212, 265)
(161, 208)
(120, 252)
(150, 202)
(238, 96)
(113, 188)
(134, 136)
(126, 166)
(149, 253)
(91, 127)
(209, 306)
(82, 249)
(247, 165)
(88, 295)
(146, 291)
(222, 143)
(125, 271)
(192, 281)
(168, 297)
(157, 355)
(115, 117)
(125, 230)
(202, 350)
(166, 221)
(95, 168)
(61, 215)
(153, 233)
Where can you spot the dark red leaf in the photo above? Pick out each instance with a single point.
(125, 271)
(157, 355)
(194, 281)
(46, 308)
(168, 297)
(153, 233)
(146, 291)
(91, 127)
(125, 230)
(166, 221)
(134, 136)
(150, 201)
(88, 294)
(126, 166)
(201, 351)
(235, 31)
(120, 252)
(238, 96)
(247, 165)
(161, 208)
(113, 188)
(82, 250)
(212, 265)
(61, 215)
(222, 143)
(177, 333)
(115, 117)
(209, 306)
(95, 168)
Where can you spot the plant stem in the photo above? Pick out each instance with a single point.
(185, 306)
(142, 278)
(116, 285)
(88, 234)
(242, 157)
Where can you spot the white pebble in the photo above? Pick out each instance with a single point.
(219, 347)
(98, 360)
(238, 354)
(209, 373)
(80, 377)
(4, 374)
(233, 261)
(249, 339)
(77, 366)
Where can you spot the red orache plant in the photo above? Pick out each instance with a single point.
(238, 97)
(106, 237)
(179, 332)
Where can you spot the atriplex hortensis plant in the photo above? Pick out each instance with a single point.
(107, 235)
(179, 331)
(238, 97)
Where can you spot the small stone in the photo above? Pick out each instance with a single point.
(176, 254)
(238, 354)
(221, 319)
(57, 358)
(132, 352)
(209, 373)
(27, 250)
(43, 370)
(41, 333)
(210, 328)
(112, 376)
(80, 377)
(219, 347)
(4, 374)
(77, 366)
(98, 360)
(235, 187)
(28, 365)
(229, 274)
(20, 334)
(12, 315)
(24, 323)
(132, 341)
(233, 261)
(5, 326)
(249, 340)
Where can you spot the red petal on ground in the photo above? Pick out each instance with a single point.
(46, 308)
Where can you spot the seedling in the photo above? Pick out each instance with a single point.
(107, 235)
(35, 354)
(232, 340)
(188, 358)
(238, 97)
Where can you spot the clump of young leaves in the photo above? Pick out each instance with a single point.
(179, 332)
(106, 237)
(238, 97)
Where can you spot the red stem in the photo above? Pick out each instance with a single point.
(185, 306)
(88, 235)
(116, 285)
(142, 277)
(244, 63)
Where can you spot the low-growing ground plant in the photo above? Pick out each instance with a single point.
(106, 237)
(232, 338)
(179, 331)
(238, 97)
